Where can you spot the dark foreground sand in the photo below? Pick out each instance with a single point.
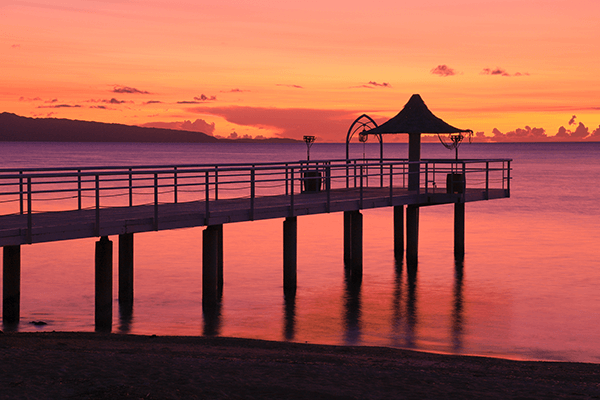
(104, 366)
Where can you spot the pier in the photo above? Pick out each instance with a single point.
(53, 204)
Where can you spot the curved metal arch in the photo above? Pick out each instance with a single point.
(363, 124)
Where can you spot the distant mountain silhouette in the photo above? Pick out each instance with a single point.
(23, 129)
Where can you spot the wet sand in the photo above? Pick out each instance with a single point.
(112, 366)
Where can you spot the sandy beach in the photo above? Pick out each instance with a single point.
(111, 366)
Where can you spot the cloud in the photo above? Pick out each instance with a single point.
(443, 70)
(203, 97)
(292, 86)
(128, 90)
(199, 125)
(581, 132)
(15, 46)
(61, 106)
(572, 120)
(327, 125)
(595, 135)
(501, 72)
(29, 99)
(526, 134)
(153, 102)
(234, 91)
(372, 85)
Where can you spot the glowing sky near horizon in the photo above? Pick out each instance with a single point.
(293, 68)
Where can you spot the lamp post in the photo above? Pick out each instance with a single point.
(309, 140)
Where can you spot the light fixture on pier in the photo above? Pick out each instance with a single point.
(455, 139)
(309, 140)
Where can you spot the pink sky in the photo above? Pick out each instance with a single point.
(514, 70)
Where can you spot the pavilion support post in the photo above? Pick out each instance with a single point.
(220, 261)
(11, 284)
(414, 154)
(412, 234)
(353, 242)
(126, 270)
(104, 284)
(459, 230)
(211, 252)
(290, 255)
(399, 232)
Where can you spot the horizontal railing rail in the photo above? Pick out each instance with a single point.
(30, 191)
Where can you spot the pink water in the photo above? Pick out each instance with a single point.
(528, 288)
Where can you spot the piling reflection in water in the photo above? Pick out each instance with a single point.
(211, 315)
(405, 319)
(125, 317)
(352, 306)
(457, 309)
(289, 314)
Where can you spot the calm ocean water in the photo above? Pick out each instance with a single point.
(529, 287)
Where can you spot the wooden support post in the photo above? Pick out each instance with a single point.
(347, 237)
(353, 242)
(290, 255)
(412, 234)
(220, 261)
(11, 284)
(104, 286)
(414, 154)
(126, 270)
(459, 231)
(399, 232)
(210, 266)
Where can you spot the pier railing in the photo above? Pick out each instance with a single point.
(29, 191)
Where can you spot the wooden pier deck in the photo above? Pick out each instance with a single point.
(77, 224)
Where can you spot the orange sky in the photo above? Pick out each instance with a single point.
(289, 69)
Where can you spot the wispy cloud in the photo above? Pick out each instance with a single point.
(234, 91)
(29, 99)
(292, 86)
(153, 102)
(572, 120)
(128, 90)
(443, 70)
(15, 46)
(199, 99)
(61, 106)
(373, 84)
(501, 72)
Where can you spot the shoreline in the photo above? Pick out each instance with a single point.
(98, 366)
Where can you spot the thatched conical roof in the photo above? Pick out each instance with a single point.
(415, 118)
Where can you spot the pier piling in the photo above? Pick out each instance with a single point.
(353, 242)
(290, 254)
(126, 270)
(11, 284)
(211, 262)
(104, 286)
(412, 234)
(459, 231)
(399, 232)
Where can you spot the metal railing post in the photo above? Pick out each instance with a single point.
(175, 185)
(21, 192)
(79, 189)
(29, 212)
(97, 205)
(426, 177)
(487, 179)
(361, 187)
(328, 186)
(216, 182)
(391, 184)
(155, 201)
(206, 197)
(287, 191)
(292, 193)
(130, 188)
(252, 192)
